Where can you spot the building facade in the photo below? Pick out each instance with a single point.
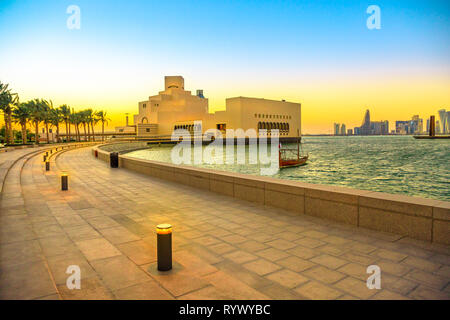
(175, 108)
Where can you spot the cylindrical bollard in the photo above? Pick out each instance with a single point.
(114, 159)
(164, 245)
(96, 153)
(47, 165)
(64, 182)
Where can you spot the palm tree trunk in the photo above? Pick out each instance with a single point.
(24, 133)
(84, 129)
(69, 133)
(46, 128)
(89, 132)
(5, 118)
(57, 132)
(11, 133)
(36, 132)
(93, 132)
(67, 137)
(103, 130)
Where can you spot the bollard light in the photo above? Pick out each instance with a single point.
(164, 246)
(64, 181)
(47, 165)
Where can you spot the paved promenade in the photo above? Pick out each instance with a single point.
(223, 248)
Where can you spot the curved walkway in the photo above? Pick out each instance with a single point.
(223, 248)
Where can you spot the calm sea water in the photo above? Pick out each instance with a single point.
(393, 164)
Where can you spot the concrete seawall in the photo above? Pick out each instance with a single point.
(418, 218)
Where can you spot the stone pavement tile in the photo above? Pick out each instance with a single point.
(278, 292)
(234, 239)
(355, 287)
(207, 241)
(70, 220)
(303, 252)
(421, 264)
(443, 271)
(252, 246)
(91, 289)
(329, 261)
(272, 254)
(149, 290)
(428, 279)
(192, 234)
(333, 250)
(205, 254)
(314, 234)
(57, 245)
(207, 293)
(102, 222)
(425, 293)
(295, 264)
(261, 237)
(287, 278)
(261, 266)
(324, 274)
(222, 248)
(118, 235)
(281, 244)
(79, 204)
(43, 231)
(356, 270)
(97, 249)
(80, 233)
(397, 284)
(316, 291)
(390, 255)
(58, 266)
(396, 269)
(359, 258)
(361, 247)
(25, 281)
(139, 252)
(193, 263)
(310, 242)
(250, 278)
(119, 272)
(20, 252)
(232, 287)
(240, 256)
(177, 283)
(89, 213)
(388, 295)
(440, 258)
(289, 236)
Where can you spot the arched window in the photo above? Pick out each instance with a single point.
(259, 125)
(144, 120)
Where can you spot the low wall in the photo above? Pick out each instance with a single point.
(418, 218)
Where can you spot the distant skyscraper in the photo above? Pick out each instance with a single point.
(336, 129)
(365, 127)
(438, 126)
(349, 132)
(442, 120)
(343, 130)
(448, 122)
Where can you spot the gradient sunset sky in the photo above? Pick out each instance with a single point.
(319, 53)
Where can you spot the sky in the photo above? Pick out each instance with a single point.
(318, 53)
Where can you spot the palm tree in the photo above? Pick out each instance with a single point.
(6, 100)
(47, 106)
(21, 114)
(64, 111)
(36, 116)
(55, 119)
(76, 120)
(101, 116)
(92, 121)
